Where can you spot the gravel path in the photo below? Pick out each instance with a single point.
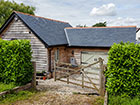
(60, 93)
(61, 87)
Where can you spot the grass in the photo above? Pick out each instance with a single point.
(98, 101)
(5, 87)
(49, 98)
(30, 97)
(13, 97)
(119, 100)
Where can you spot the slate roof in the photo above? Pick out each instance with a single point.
(50, 31)
(100, 37)
(55, 33)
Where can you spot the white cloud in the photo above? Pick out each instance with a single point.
(123, 21)
(104, 10)
(68, 10)
(113, 21)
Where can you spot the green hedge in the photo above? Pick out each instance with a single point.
(123, 73)
(15, 62)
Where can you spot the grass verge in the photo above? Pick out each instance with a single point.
(119, 100)
(13, 97)
(5, 87)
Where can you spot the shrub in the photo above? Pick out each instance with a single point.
(123, 73)
(119, 100)
(15, 61)
(5, 87)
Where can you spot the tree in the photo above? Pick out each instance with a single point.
(79, 25)
(100, 24)
(7, 7)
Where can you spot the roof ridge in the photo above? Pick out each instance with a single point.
(40, 17)
(98, 27)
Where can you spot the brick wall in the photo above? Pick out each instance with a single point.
(66, 53)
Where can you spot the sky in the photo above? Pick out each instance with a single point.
(89, 12)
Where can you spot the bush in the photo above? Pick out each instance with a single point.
(119, 100)
(15, 62)
(5, 87)
(123, 73)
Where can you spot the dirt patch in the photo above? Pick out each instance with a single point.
(52, 98)
(59, 93)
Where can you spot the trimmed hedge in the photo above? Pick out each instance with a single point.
(123, 73)
(15, 62)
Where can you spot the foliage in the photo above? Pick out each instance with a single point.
(79, 25)
(7, 7)
(119, 100)
(5, 87)
(100, 24)
(11, 98)
(98, 100)
(15, 62)
(123, 73)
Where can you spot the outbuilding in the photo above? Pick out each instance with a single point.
(57, 40)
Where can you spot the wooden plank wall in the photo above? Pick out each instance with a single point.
(77, 53)
(19, 31)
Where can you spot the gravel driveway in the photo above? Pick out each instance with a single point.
(61, 87)
(60, 93)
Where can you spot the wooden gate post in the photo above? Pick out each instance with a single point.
(67, 79)
(33, 84)
(82, 79)
(54, 74)
(101, 90)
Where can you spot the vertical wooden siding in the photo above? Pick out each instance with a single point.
(18, 30)
(77, 53)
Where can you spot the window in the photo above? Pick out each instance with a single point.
(2, 36)
(13, 38)
(72, 52)
(138, 38)
(30, 32)
(57, 54)
(16, 18)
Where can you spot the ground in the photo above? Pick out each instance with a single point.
(52, 98)
(59, 93)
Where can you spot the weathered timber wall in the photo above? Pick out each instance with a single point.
(18, 30)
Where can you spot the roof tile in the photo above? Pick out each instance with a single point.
(100, 37)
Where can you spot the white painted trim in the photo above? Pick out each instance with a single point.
(67, 37)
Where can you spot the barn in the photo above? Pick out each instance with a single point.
(57, 40)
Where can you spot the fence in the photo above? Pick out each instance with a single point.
(67, 71)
